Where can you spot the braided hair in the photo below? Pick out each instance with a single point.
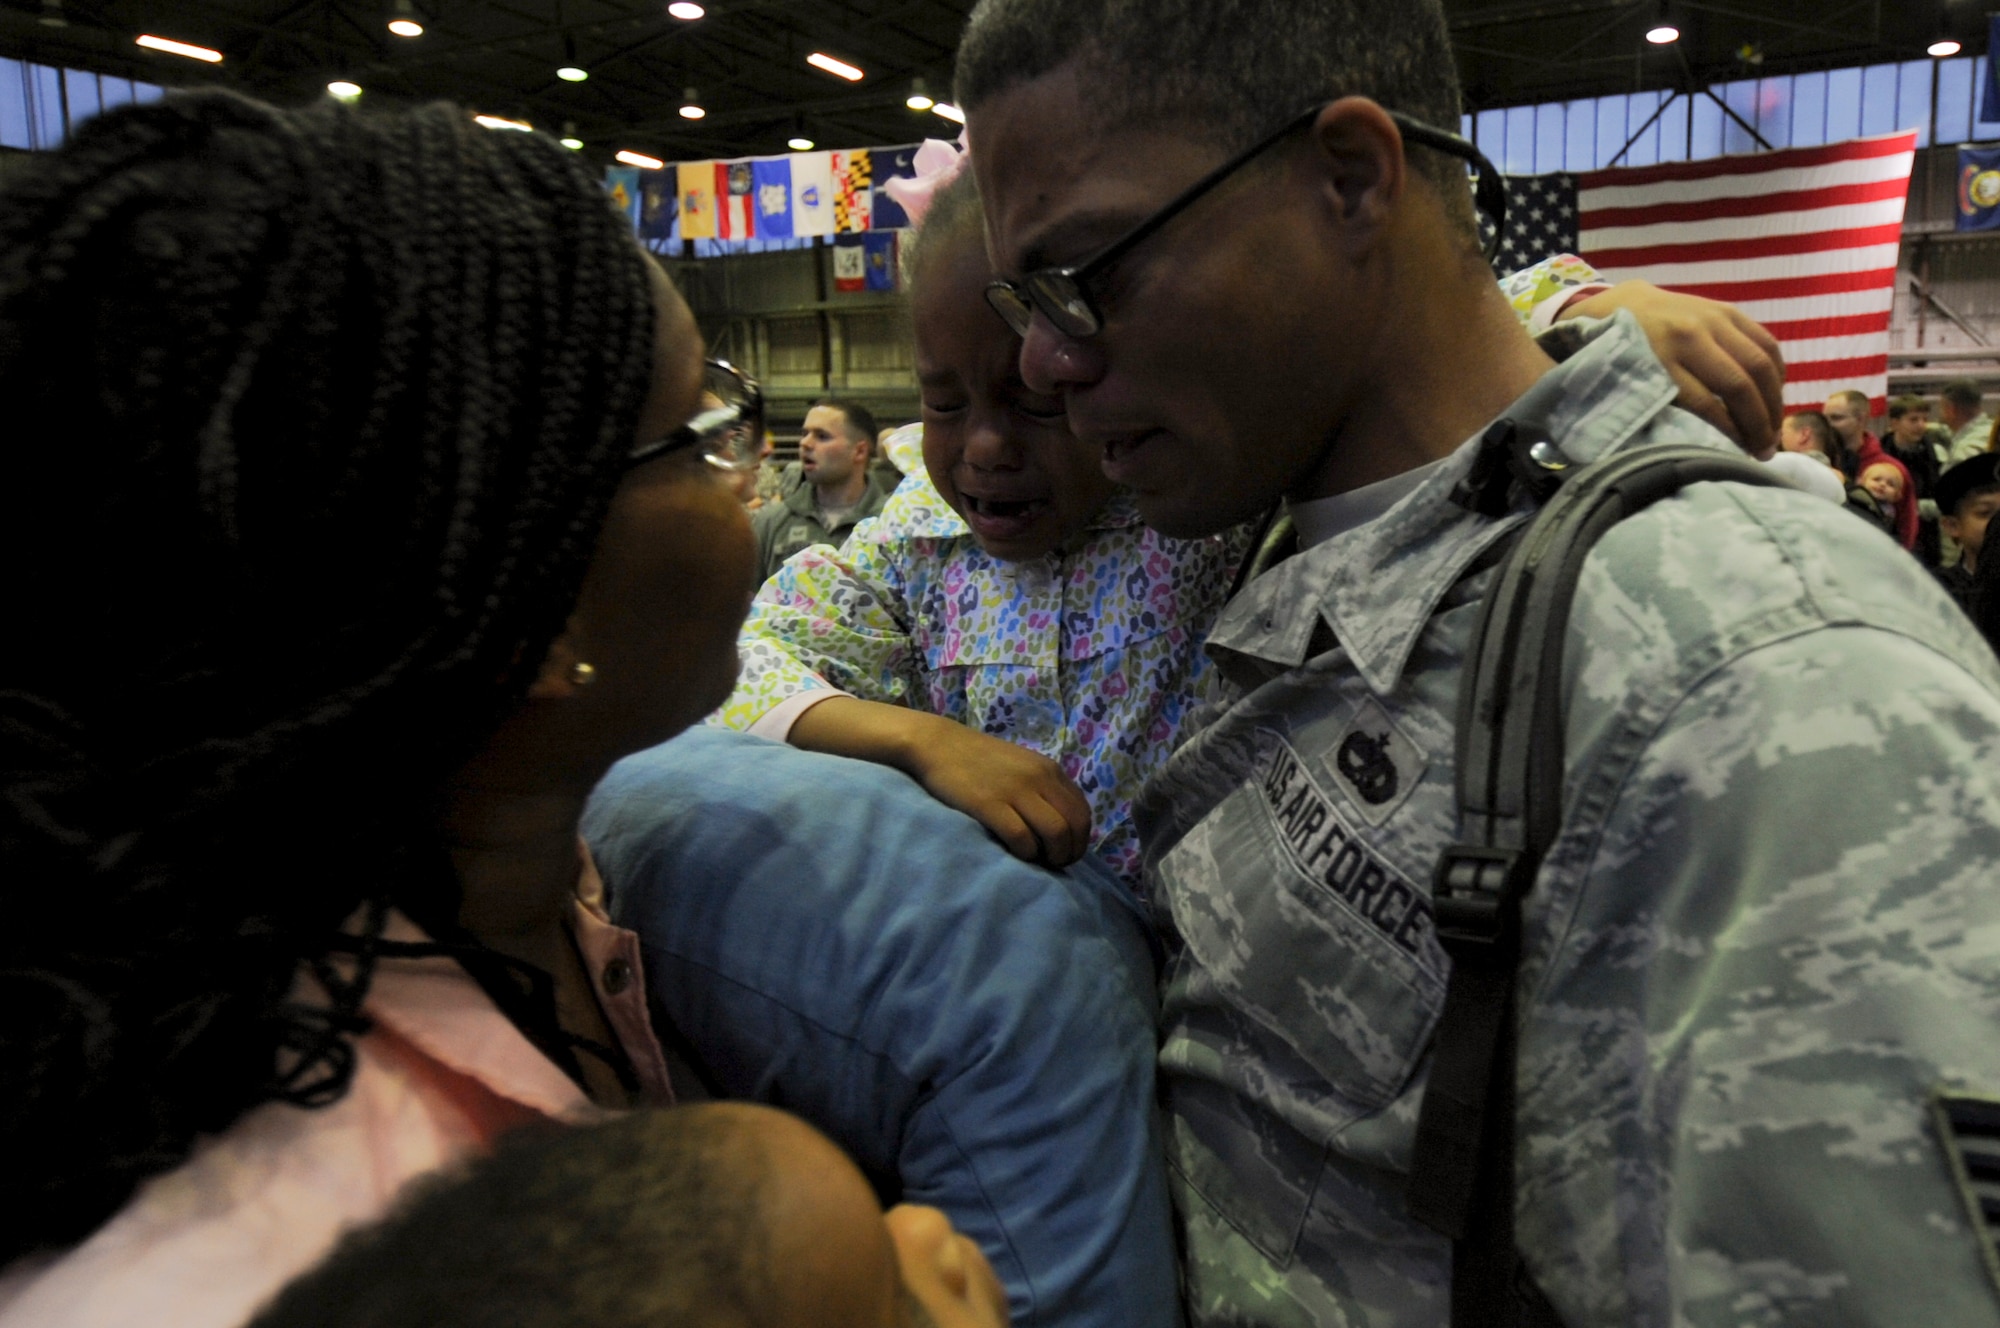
(314, 417)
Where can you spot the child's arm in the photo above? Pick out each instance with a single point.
(1728, 368)
(1021, 796)
(830, 665)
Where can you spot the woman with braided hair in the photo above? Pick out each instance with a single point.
(344, 560)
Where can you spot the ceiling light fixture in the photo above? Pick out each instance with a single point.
(572, 74)
(640, 159)
(52, 14)
(171, 47)
(344, 90)
(799, 143)
(403, 20)
(1946, 47)
(838, 68)
(1665, 34)
(685, 10)
(949, 112)
(569, 138)
(920, 98)
(497, 122)
(691, 105)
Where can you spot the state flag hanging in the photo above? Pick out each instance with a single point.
(736, 207)
(891, 164)
(621, 186)
(1804, 240)
(771, 187)
(853, 191)
(1978, 189)
(659, 205)
(880, 247)
(812, 193)
(697, 190)
(850, 263)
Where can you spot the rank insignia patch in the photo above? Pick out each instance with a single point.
(1377, 764)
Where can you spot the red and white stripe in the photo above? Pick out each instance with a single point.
(736, 218)
(1803, 239)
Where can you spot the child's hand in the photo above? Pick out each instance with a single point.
(1728, 368)
(1023, 797)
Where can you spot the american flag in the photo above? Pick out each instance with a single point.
(1803, 240)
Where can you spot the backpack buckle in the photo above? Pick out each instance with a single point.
(1475, 896)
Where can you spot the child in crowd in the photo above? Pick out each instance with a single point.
(1968, 496)
(1877, 492)
(712, 1216)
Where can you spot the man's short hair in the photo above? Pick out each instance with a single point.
(860, 420)
(1228, 71)
(1856, 402)
(1816, 424)
(1902, 406)
(1965, 395)
(655, 1218)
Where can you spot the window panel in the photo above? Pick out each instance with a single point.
(1580, 149)
(81, 89)
(1843, 105)
(1774, 110)
(1808, 110)
(1674, 129)
(1465, 128)
(1492, 136)
(147, 92)
(114, 91)
(1549, 137)
(1646, 148)
(45, 115)
(1705, 128)
(1913, 99)
(1611, 130)
(1878, 99)
(1520, 152)
(1982, 128)
(1741, 97)
(1954, 101)
(14, 129)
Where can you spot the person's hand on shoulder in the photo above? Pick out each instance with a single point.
(1729, 369)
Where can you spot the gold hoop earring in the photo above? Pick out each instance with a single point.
(582, 674)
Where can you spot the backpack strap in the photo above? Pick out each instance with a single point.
(1509, 775)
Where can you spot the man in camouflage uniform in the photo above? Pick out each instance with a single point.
(1744, 987)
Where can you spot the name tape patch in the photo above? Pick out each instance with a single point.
(1327, 849)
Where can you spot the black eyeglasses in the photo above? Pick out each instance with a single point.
(1063, 294)
(728, 429)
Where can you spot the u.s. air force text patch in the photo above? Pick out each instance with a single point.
(1328, 850)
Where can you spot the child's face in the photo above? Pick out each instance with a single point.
(1885, 482)
(1968, 524)
(1002, 456)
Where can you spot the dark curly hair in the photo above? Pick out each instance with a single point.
(313, 418)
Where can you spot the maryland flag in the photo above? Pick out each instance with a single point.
(853, 190)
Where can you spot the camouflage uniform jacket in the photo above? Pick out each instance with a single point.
(1743, 979)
